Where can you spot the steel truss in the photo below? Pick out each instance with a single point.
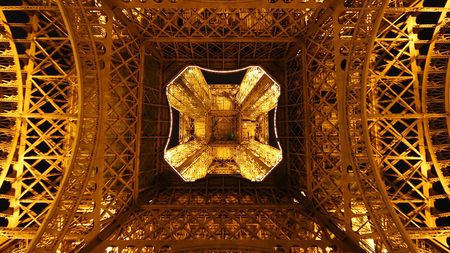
(331, 166)
(108, 123)
(53, 137)
(226, 34)
(228, 215)
(364, 125)
(397, 130)
(331, 181)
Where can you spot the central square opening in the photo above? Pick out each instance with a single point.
(222, 125)
(223, 130)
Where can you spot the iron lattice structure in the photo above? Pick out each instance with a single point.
(363, 121)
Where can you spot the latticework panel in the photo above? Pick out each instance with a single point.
(384, 220)
(329, 183)
(122, 131)
(111, 186)
(393, 121)
(155, 124)
(64, 207)
(184, 217)
(323, 137)
(335, 48)
(291, 118)
(110, 60)
(363, 122)
(224, 51)
(49, 115)
(435, 102)
(225, 34)
(225, 23)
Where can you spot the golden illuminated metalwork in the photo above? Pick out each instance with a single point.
(363, 120)
(248, 83)
(216, 123)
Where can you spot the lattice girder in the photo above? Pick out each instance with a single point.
(212, 24)
(363, 123)
(221, 33)
(180, 215)
(92, 196)
(50, 116)
(303, 4)
(392, 117)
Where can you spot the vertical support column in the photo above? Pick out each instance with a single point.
(307, 118)
(416, 70)
(341, 44)
(137, 164)
(294, 136)
(159, 132)
(152, 137)
(96, 182)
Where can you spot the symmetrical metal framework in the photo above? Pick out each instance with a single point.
(363, 121)
(219, 216)
(223, 128)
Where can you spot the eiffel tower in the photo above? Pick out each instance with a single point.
(339, 144)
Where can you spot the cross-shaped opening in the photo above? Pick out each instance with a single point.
(224, 126)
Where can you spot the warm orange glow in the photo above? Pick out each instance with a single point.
(223, 129)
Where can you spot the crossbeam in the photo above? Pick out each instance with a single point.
(287, 4)
(428, 233)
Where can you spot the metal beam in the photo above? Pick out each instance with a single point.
(199, 4)
(175, 39)
(429, 233)
(256, 245)
(134, 30)
(345, 241)
(106, 232)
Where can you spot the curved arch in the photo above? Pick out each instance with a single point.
(435, 106)
(17, 84)
(48, 111)
(396, 121)
(76, 176)
(441, 83)
(392, 233)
